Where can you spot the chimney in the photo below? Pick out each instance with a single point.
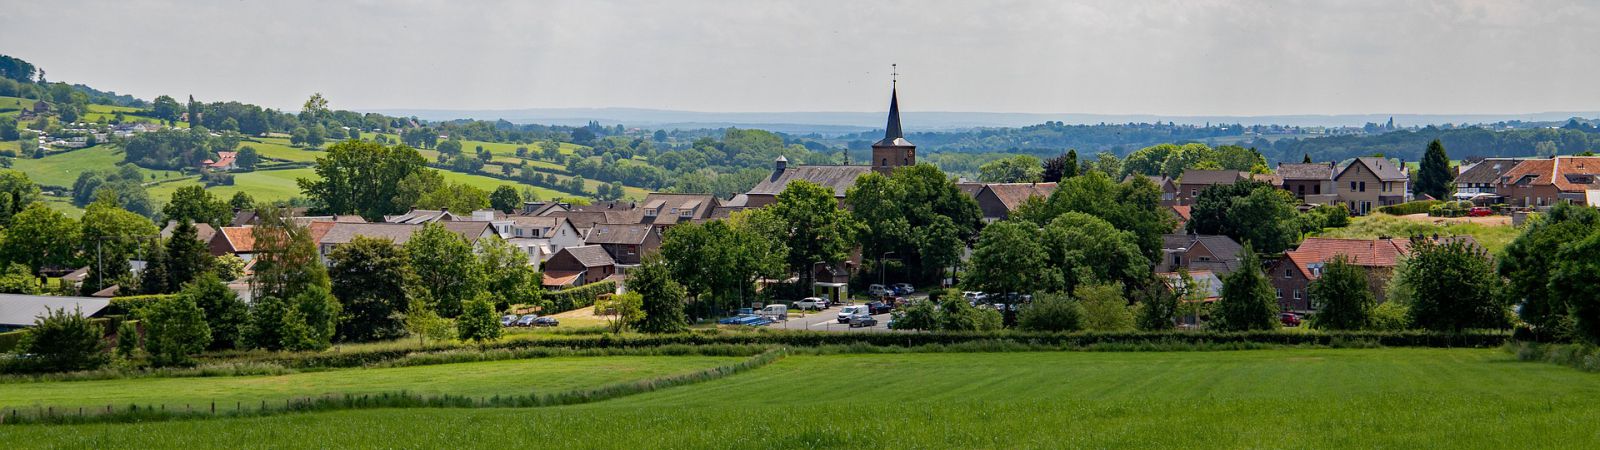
(781, 164)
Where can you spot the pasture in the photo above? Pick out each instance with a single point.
(1286, 398)
(62, 169)
(1494, 238)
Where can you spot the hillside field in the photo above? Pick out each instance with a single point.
(62, 169)
(1286, 398)
(1494, 238)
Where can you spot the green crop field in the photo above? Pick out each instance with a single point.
(62, 169)
(476, 379)
(1293, 398)
(1493, 237)
(279, 148)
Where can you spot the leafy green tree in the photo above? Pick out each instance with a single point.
(1434, 177)
(265, 326)
(63, 341)
(1248, 301)
(17, 193)
(111, 237)
(1133, 206)
(128, 339)
(1529, 261)
(920, 315)
(1576, 283)
(196, 204)
(248, 158)
(176, 329)
(1082, 248)
(225, 313)
(816, 229)
(1158, 302)
(478, 321)
(454, 197)
(227, 267)
(1008, 258)
(918, 214)
(369, 277)
(423, 323)
(187, 258)
(1247, 211)
(286, 262)
(165, 108)
(363, 177)
(507, 275)
(1061, 167)
(312, 320)
(18, 279)
(242, 200)
(505, 199)
(153, 280)
(448, 274)
(621, 310)
(1104, 307)
(1014, 169)
(40, 237)
(662, 297)
(955, 314)
(719, 262)
(1453, 286)
(1341, 296)
(1052, 312)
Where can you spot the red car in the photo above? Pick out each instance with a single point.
(1479, 211)
(1289, 319)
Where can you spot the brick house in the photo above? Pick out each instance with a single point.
(1292, 274)
(626, 243)
(1192, 252)
(1480, 181)
(578, 266)
(1311, 183)
(1369, 182)
(1545, 182)
(998, 200)
(1194, 181)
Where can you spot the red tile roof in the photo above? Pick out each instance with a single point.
(1182, 211)
(1567, 173)
(240, 239)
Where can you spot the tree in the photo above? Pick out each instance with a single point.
(1008, 258)
(265, 327)
(153, 280)
(918, 214)
(1014, 169)
(478, 321)
(196, 204)
(1453, 286)
(718, 262)
(922, 315)
(1529, 261)
(815, 229)
(316, 135)
(505, 199)
(18, 279)
(63, 341)
(40, 237)
(448, 274)
(312, 320)
(1158, 302)
(175, 328)
(1081, 248)
(423, 323)
(1061, 167)
(1247, 211)
(1434, 177)
(187, 258)
(369, 276)
(955, 314)
(286, 262)
(17, 192)
(364, 177)
(661, 297)
(1248, 301)
(128, 339)
(507, 276)
(1341, 296)
(111, 237)
(1104, 307)
(454, 197)
(241, 201)
(224, 311)
(165, 108)
(227, 267)
(621, 310)
(247, 158)
(1052, 312)
(1576, 283)
(1133, 206)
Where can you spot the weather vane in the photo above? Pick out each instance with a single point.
(894, 74)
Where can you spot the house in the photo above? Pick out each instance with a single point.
(664, 210)
(998, 200)
(1209, 285)
(577, 266)
(1194, 181)
(237, 241)
(1545, 182)
(543, 208)
(969, 188)
(421, 216)
(1312, 183)
(203, 231)
(1292, 274)
(18, 311)
(1369, 182)
(343, 233)
(1195, 252)
(224, 162)
(541, 237)
(1180, 215)
(1169, 189)
(626, 243)
(893, 151)
(1479, 181)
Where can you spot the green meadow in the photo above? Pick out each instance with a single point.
(1286, 398)
(62, 169)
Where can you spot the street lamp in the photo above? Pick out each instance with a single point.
(881, 271)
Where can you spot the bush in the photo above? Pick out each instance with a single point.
(1052, 312)
(1409, 208)
(61, 341)
(177, 329)
(1104, 308)
(11, 340)
(478, 321)
(578, 297)
(132, 303)
(1391, 316)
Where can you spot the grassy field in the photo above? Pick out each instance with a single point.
(1492, 237)
(62, 169)
(1376, 398)
(280, 184)
(476, 379)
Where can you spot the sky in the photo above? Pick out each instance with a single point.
(1193, 57)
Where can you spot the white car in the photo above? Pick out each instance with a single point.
(817, 303)
(877, 290)
(848, 311)
(975, 297)
(775, 312)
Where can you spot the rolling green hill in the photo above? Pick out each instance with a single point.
(62, 169)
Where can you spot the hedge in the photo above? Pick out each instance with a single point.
(578, 297)
(131, 303)
(9, 341)
(1409, 208)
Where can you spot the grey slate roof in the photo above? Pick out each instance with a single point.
(1210, 177)
(591, 255)
(20, 310)
(628, 233)
(1305, 171)
(837, 178)
(1382, 167)
(343, 233)
(1487, 171)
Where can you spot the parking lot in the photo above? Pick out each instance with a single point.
(826, 320)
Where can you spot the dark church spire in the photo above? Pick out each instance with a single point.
(892, 131)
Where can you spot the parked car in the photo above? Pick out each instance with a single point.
(1289, 319)
(877, 290)
(527, 320)
(817, 303)
(756, 321)
(735, 320)
(904, 288)
(974, 297)
(879, 308)
(849, 311)
(546, 321)
(774, 312)
(1479, 211)
(508, 319)
(862, 320)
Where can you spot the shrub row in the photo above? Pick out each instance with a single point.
(131, 303)
(1408, 208)
(1579, 356)
(579, 297)
(10, 340)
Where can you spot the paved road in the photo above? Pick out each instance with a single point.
(827, 320)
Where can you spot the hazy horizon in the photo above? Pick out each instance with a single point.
(1169, 59)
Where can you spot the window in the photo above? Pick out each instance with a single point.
(1316, 189)
(686, 213)
(1287, 273)
(1194, 192)
(1363, 186)
(1280, 292)
(885, 162)
(1177, 260)
(1301, 189)
(650, 212)
(1352, 186)
(1296, 294)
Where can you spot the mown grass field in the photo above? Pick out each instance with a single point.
(474, 379)
(1298, 398)
(281, 185)
(1494, 238)
(62, 169)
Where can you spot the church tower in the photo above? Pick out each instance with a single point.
(894, 150)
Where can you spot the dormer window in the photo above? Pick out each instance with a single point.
(650, 212)
(686, 213)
